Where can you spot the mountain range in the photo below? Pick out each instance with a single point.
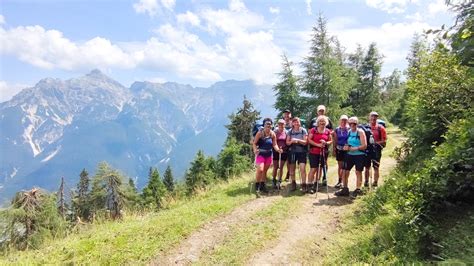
(58, 127)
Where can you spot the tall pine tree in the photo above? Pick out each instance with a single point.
(241, 124)
(287, 91)
(155, 190)
(326, 78)
(168, 179)
(81, 201)
(198, 175)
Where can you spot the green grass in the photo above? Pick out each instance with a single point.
(137, 238)
(246, 239)
(457, 245)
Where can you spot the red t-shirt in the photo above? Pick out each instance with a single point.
(375, 132)
(317, 137)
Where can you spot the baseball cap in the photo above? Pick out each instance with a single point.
(344, 117)
(373, 113)
(321, 107)
(286, 111)
(281, 121)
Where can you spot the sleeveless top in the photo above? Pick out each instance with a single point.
(281, 139)
(265, 145)
(342, 134)
(353, 140)
(317, 137)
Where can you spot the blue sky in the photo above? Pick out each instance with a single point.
(193, 42)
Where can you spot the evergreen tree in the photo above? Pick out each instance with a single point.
(131, 194)
(81, 197)
(241, 124)
(287, 91)
(155, 190)
(168, 179)
(392, 97)
(108, 192)
(230, 161)
(326, 78)
(198, 175)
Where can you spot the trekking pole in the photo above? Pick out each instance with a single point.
(279, 171)
(325, 171)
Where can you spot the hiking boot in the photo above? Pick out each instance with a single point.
(366, 184)
(293, 186)
(257, 187)
(357, 192)
(279, 184)
(339, 184)
(312, 189)
(274, 184)
(324, 183)
(263, 188)
(344, 192)
(304, 188)
(374, 184)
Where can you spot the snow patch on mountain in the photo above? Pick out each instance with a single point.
(49, 157)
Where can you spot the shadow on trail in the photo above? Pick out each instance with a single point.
(334, 201)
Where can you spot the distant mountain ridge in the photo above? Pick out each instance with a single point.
(58, 127)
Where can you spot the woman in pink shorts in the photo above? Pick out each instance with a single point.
(263, 145)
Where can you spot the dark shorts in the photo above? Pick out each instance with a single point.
(340, 155)
(284, 156)
(315, 160)
(357, 160)
(373, 159)
(297, 156)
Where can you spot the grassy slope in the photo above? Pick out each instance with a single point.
(139, 238)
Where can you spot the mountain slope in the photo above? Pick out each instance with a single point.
(57, 128)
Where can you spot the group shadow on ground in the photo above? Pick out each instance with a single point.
(322, 197)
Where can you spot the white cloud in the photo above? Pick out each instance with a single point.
(390, 6)
(151, 7)
(146, 6)
(393, 39)
(2, 19)
(188, 17)
(7, 91)
(274, 10)
(168, 4)
(308, 7)
(438, 6)
(237, 6)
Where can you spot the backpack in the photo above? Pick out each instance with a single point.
(369, 137)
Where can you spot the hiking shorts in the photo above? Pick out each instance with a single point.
(284, 156)
(357, 160)
(340, 155)
(297, 156)
(315, 160)
(373, 159)
(265, 160)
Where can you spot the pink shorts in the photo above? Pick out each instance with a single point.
(265, 160)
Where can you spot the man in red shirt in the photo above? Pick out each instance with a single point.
(373, 158)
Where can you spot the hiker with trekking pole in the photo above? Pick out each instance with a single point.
(319, 140)
(279, 162)
(355, 156)
(263, 145)
(340, 135)
(297, 140)
(379, 142)
(321, 111)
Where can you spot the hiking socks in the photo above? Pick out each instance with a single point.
(257, 186)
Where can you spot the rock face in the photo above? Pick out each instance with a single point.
(57, 128)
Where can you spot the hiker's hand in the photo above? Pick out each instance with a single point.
(346, 147)
(255, 151)
(280, 150)
(323, 143)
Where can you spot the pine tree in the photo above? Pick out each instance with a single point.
(155, 190)
(168, 179)
(241, 124)
(108, 191)
(198, 175)
(326, 78)
(81, 199)
(287, 91)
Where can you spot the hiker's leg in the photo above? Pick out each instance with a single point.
(376, 167)
(359, 164)
(275, 168)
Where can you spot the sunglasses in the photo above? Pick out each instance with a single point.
(352, 124)
(268, 124)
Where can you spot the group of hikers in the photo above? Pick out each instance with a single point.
(292, 144)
